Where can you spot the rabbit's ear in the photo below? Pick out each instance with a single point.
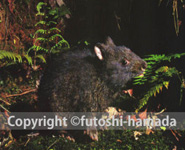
(102, 49)
(98, 52)
(109, 42)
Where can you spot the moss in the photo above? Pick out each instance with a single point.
(108, 140)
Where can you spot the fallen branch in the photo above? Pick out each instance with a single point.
(7, 103)
(26, 92)
(4, 108)
(53, 144)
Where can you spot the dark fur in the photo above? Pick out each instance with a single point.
(78, 81)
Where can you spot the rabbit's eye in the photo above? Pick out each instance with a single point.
(125, 62)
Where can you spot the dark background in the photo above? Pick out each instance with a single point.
(145, 26)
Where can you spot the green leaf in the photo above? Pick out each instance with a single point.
(163, 128)
(54, 36)
(40, 39)
(51, 22)
(41, 57)
(10, 55)
(55, 29)
(29, 59)
(39, 7)
(40, 22)
(41, 31)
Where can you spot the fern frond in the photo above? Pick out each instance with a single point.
(54, 36)
(40, 22)
(41, 31)
(40, 39)
(31, 48)
(29, 59)
(151, 74)
(60, 43)
(53, 12)
(152, 92)
(158, 58)
(41, 57)
(54, 29)
(39, 7)
(37, 48)
(51, 22)
(155, 77)
(10, 55)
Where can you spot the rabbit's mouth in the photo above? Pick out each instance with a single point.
(143, 71)
(130, 91)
